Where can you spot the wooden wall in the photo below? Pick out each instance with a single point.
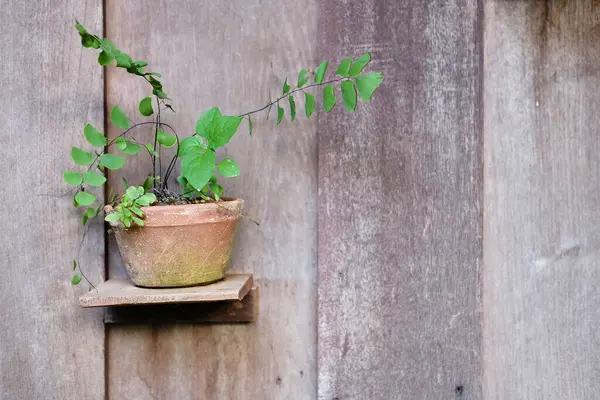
(541, 218)
(49, 348)
(455, 217)
(400, 188)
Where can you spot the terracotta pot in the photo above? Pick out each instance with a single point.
(183, 245)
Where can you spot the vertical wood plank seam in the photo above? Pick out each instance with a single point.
(106, 249)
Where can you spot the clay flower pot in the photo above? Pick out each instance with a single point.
(182, 245)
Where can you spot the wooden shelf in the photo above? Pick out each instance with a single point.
(231, 300)
(121, 292)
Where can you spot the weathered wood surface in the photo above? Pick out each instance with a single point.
(221, 312)
(400, 189)
(49, 347)
(542, 214)
(231, 54)
(117, 292)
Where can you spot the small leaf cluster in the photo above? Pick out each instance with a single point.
(349, 73)
(109, 53)
(128, 211)
(198, 160)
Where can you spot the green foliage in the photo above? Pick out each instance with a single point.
(292, 107)
(228, 168)
(197, 168)
(359, 64)
(76, 279)
(344, 67)
(127, 147)
(151, 150)
(309, 104)
(302, 78)
(145, 107)
(216, 128)
(286, 87)
(250, 125)
(118, 118)
(280, 114)
(111, 161)
(328, 98)
(94, 136)
(349, 95)
(81, 157)
(128, 211)
(165, 139)
(84, 199)
(93, 178)
(73, 178)
(367, 85)
(320, 72)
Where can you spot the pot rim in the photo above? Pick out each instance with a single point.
(187, 214)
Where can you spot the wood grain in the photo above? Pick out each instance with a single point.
(122, 292)
(542, 220)
(400, 190)
(221, 312)
(49, 347)
(231, 54)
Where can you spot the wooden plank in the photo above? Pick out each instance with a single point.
(221, 312)
(542, 179)
(122, 292)
(231, 54)
(49, 347)
(400, 215)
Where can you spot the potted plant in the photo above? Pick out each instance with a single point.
(184, 237)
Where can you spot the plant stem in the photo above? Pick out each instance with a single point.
(276, 101)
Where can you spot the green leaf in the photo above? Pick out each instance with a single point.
(85, 198)
(192, 145)
(94, 179)
(302, 78)
(165, 139)
(133, 192)
(309, 104)
(228, 168)
(344, 67)
(349, 95)
(320, 72)
(114, 217)
(118, 117)
(136, 211)
(125, 183)
(146, 199)
(328, 98)
(292, 108)
(217, 190)
(73, 178)
(197, 169)
(123, 59)
(359, 64)
(94, 136)
(105, 58)
(74, 265)
(76, 279)
(142, 63)
(145, 106)
(280, 113)
(286, 87)
(137, 221)
(250, 125)
(151, 149)
(111, 161)
(217, 128)
(148, 183)
(367, 84)
(81, 157)
(89, 213)
(127, 147)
